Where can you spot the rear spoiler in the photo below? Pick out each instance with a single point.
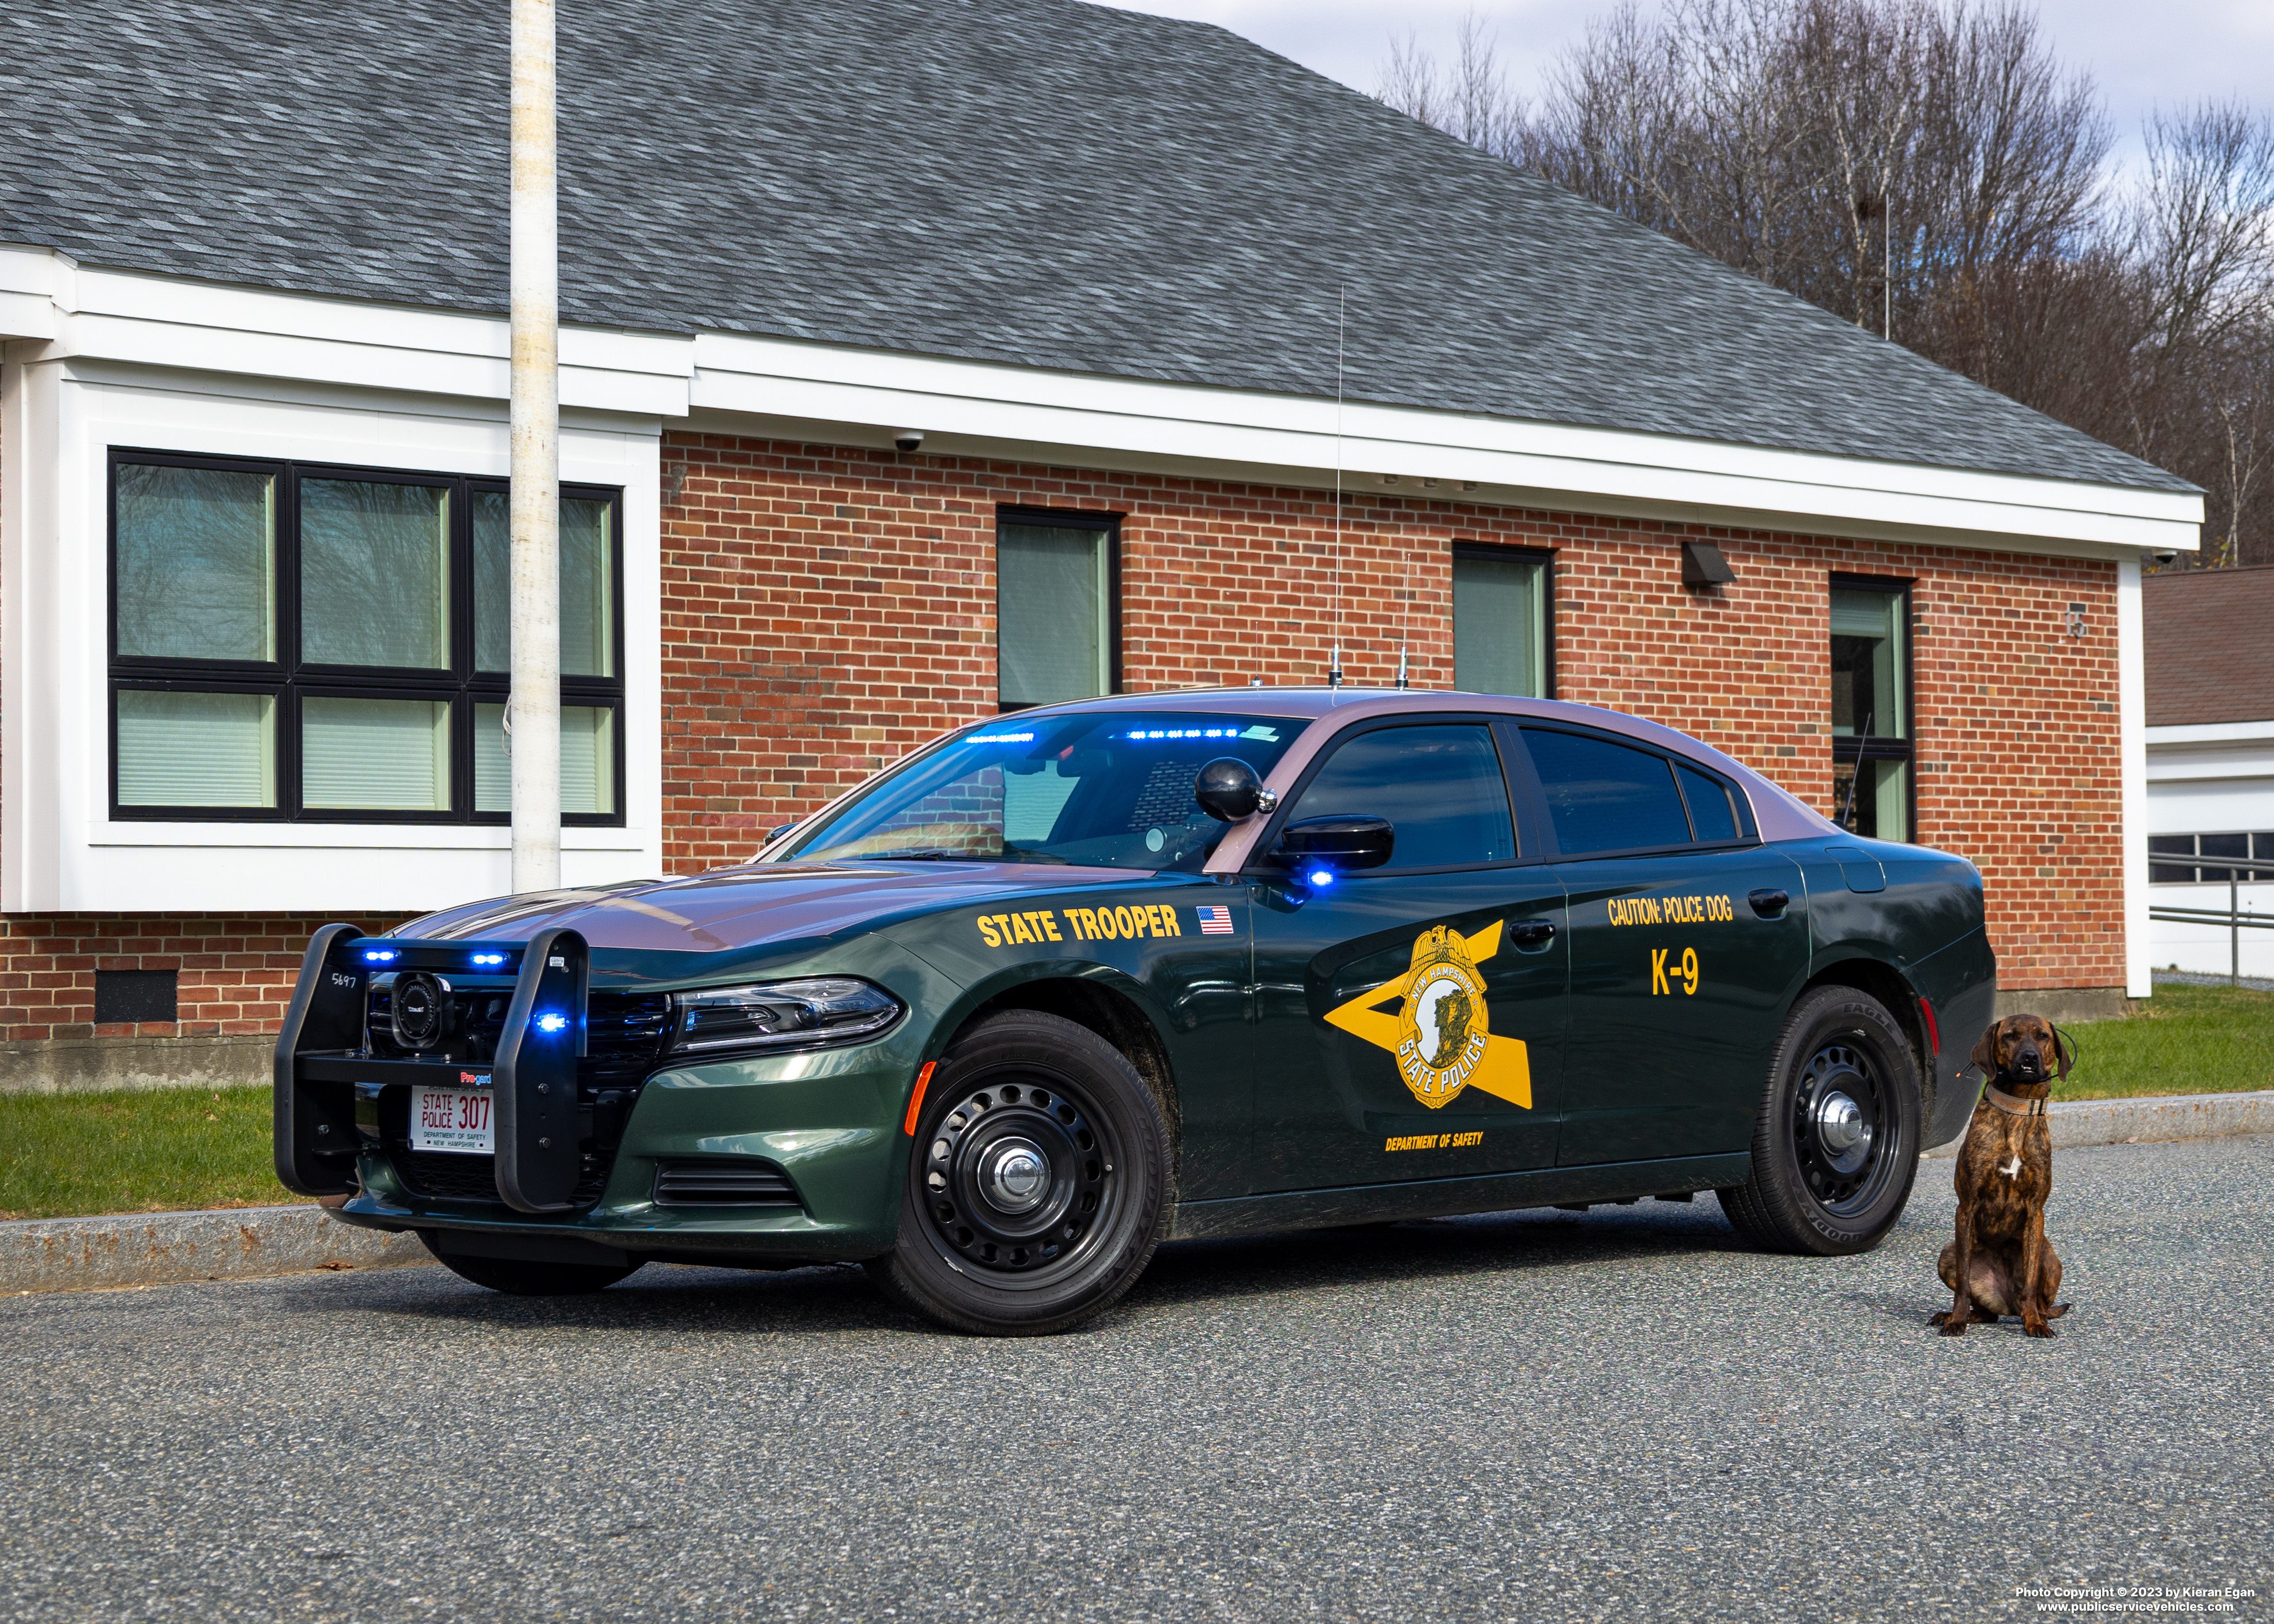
(324, 1051)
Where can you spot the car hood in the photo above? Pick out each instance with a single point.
(736, 909)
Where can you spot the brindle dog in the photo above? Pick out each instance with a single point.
(2001, 1262)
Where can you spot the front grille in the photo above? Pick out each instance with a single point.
(623, 1031)
(744, 1182)
(623, 1034)
(624, 1038)
(445, 1176)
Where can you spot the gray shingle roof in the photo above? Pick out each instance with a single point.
(1037, 181)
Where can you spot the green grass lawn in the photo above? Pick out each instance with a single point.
(2185, 1040)
(171, 1150)
(167, 1150)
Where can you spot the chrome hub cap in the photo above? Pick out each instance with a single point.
(1839, 1123)
(1840, 1113)
(1013, 1175)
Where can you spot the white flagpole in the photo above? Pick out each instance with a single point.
(533, 713)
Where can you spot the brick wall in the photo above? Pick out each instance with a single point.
(826, 609)
(2018, 750)
(234, 975)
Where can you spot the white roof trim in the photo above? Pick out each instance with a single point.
(737, 382)
(2212, 732)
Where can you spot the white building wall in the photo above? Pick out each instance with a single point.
(2211, 779)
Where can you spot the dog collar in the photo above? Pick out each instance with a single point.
(2013, 1105)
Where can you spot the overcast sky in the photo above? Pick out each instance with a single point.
(2143, 52)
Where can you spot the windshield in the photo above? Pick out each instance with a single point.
(1103, 789)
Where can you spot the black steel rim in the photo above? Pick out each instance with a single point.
(1843, 1127)
(1018, 1177)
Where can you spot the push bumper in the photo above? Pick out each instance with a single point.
(828, 1120)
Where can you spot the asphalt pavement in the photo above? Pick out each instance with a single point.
(1541, 1416)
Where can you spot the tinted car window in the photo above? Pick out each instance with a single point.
(1440, 786)
(1712, 813)
(1108, 789)
(1606, 797)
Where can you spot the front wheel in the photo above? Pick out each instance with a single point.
(1037, 1183)
(1835, 1147)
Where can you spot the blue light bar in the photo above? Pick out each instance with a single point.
(378, 955)
(489, 958)
(552, 1023)
(999, 739)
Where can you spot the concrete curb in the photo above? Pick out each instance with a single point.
(154, 1249)
(2149, 1118)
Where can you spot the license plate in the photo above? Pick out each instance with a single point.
(454, 1119)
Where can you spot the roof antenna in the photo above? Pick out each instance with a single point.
(1334, 659)
(1405, 611)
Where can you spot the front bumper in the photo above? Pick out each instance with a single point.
(829, 1119)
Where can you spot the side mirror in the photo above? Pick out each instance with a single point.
(1228, 790)
(1338, 843)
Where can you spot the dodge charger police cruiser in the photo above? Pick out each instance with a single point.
(1080, 979)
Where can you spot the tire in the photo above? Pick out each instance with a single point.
(1829, 1179)
(517, 1278)
(1037, 1184)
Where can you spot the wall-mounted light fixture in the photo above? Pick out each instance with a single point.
(1703, 565)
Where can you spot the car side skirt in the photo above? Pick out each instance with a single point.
(1446, 1197)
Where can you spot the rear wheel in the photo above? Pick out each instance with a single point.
(1835, 1145)
(517, 1277)
(1037, 1183)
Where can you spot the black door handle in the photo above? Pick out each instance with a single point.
(1532, 932)
(1769, 903)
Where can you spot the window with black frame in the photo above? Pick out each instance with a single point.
(2207, 860)
(297, 642)
(1872, 749)
(1057, 613)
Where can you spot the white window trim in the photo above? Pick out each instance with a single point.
(60, 849)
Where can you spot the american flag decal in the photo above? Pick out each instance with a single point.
(1215, 922)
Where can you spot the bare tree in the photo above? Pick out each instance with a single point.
(1932, 172)
(2199, 242)
(2204, 226)
(1470, 99)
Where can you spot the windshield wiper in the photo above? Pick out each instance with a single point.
(1009, 854)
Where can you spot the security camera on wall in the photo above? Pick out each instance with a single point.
(909, 439)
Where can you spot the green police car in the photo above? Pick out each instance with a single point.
(1080, 979)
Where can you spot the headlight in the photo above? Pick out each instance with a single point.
(806, 1014)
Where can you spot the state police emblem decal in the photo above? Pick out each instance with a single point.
(1444, 1026)
(1440, 1033)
